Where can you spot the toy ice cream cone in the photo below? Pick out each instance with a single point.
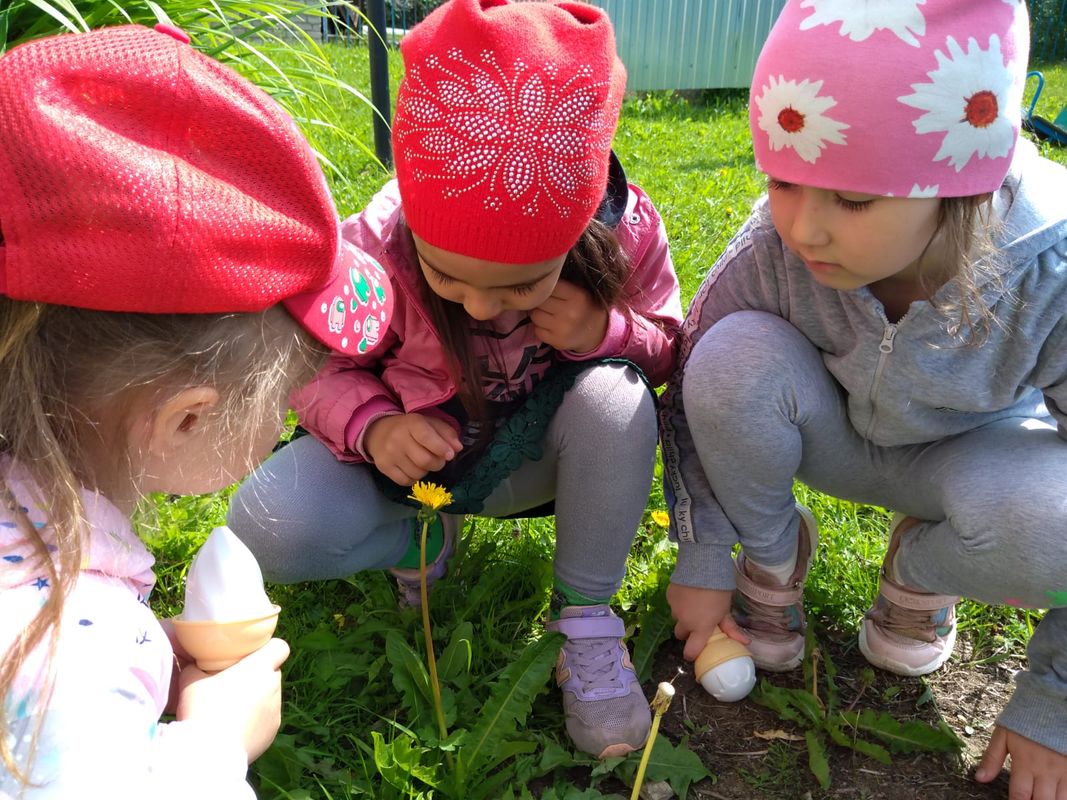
(227, 613)
(216, 644)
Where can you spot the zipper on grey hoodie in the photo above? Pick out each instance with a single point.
(885, 347)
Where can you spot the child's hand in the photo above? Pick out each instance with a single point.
(570, 320)
(698, 611)
(245, 698)
(1037, 773)
(181, 659)
(404, 447)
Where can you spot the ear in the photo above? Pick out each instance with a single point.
(180, 420)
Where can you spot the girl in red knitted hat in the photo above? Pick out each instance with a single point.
(536, 304)
(170, 267)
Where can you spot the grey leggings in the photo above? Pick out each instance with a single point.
(307, 516)
(994, 499)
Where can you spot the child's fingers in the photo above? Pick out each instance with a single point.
(540, 319)
(696, 642)
(993, 758)
(403, 474)
(733, 630)
(179, 651)
(1021, 787)
(419, 460)
(438, 437)
(273, 653)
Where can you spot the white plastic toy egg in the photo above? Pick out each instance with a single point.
(725, 668)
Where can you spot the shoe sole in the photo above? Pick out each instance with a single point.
(899, 668)
(778, 666)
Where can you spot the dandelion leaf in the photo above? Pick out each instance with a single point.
(903, 737)
(508, 706)
(817, 762)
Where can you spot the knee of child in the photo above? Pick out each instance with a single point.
(740, 357)
(609, 406)
(1020, 521)
(613, 388)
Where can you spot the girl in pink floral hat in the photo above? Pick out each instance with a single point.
(889, 326)
(536, 304)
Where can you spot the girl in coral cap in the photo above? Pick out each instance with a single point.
(536, 304)
(171, 266)
(890, 326)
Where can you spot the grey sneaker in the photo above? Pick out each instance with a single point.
(770, 613)
(607, 714)
(407, 579)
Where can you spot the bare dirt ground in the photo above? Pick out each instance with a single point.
(736, 741)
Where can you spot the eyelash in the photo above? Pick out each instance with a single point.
(847, 205)
(446, 280)
(441, 278)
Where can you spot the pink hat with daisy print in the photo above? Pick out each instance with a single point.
(909, 98)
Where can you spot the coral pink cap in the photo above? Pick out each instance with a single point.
(911, 98)
(139, 175)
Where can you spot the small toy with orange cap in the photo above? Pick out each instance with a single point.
(725, 668)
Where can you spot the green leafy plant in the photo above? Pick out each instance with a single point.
(816, 708)
(480, 751)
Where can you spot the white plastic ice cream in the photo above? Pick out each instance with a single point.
(224, 582)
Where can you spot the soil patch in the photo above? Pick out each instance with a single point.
(732, 739)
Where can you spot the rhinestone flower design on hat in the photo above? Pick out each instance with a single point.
(965, 100)
(516, 132)
(792, 115)
(861, 18)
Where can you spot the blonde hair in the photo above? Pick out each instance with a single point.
(966, 227)
(70, 374)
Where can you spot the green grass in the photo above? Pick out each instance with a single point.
(694, 159)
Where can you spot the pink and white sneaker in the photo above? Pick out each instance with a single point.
(906, 631)
(772, 613)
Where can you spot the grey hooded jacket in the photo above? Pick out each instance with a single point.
(906, 382)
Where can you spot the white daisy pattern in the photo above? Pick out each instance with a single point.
(792, 115)
(924, 191)
(968, 93)
(518, 131)
(861, 18)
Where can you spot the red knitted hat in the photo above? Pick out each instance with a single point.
(139, 175)
(503, 126)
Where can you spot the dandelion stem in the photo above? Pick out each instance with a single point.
(660, 703)
(431, 659)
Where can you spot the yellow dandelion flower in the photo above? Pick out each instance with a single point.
(432, 496)
(661, 518)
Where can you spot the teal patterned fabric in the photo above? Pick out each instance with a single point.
(516, 440)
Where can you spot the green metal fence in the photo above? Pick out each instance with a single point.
(1048, 30)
